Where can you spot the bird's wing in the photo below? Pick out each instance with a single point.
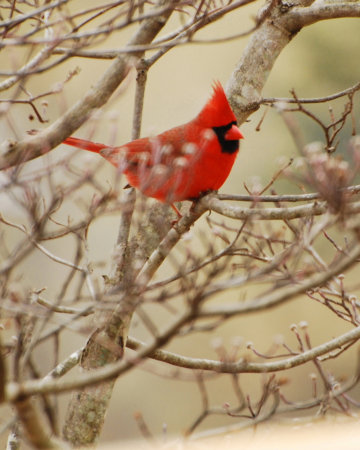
(147, 152)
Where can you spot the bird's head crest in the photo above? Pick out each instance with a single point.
(217, 111)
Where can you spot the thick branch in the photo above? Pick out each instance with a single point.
(243, 366)
(249, 77)
(165, 246)
(15, 391)
(87, 409)
(284, 213)
(301, 17)
(31, 387)
(271, 37)
(33, 424)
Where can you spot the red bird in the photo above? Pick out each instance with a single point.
(183, 162)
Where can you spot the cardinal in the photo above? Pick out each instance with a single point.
(182, 163)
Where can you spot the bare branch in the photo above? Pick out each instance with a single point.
(327, 98)
(96, 97)
(301, 17)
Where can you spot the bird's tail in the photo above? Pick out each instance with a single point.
(85, 145)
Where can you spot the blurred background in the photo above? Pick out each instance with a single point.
(322, 59)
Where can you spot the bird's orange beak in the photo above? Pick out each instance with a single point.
(234, 134)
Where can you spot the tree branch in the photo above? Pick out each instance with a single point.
(243, 366)
(13, 153)
(269, 39)
(297, 17)
(279, 295)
